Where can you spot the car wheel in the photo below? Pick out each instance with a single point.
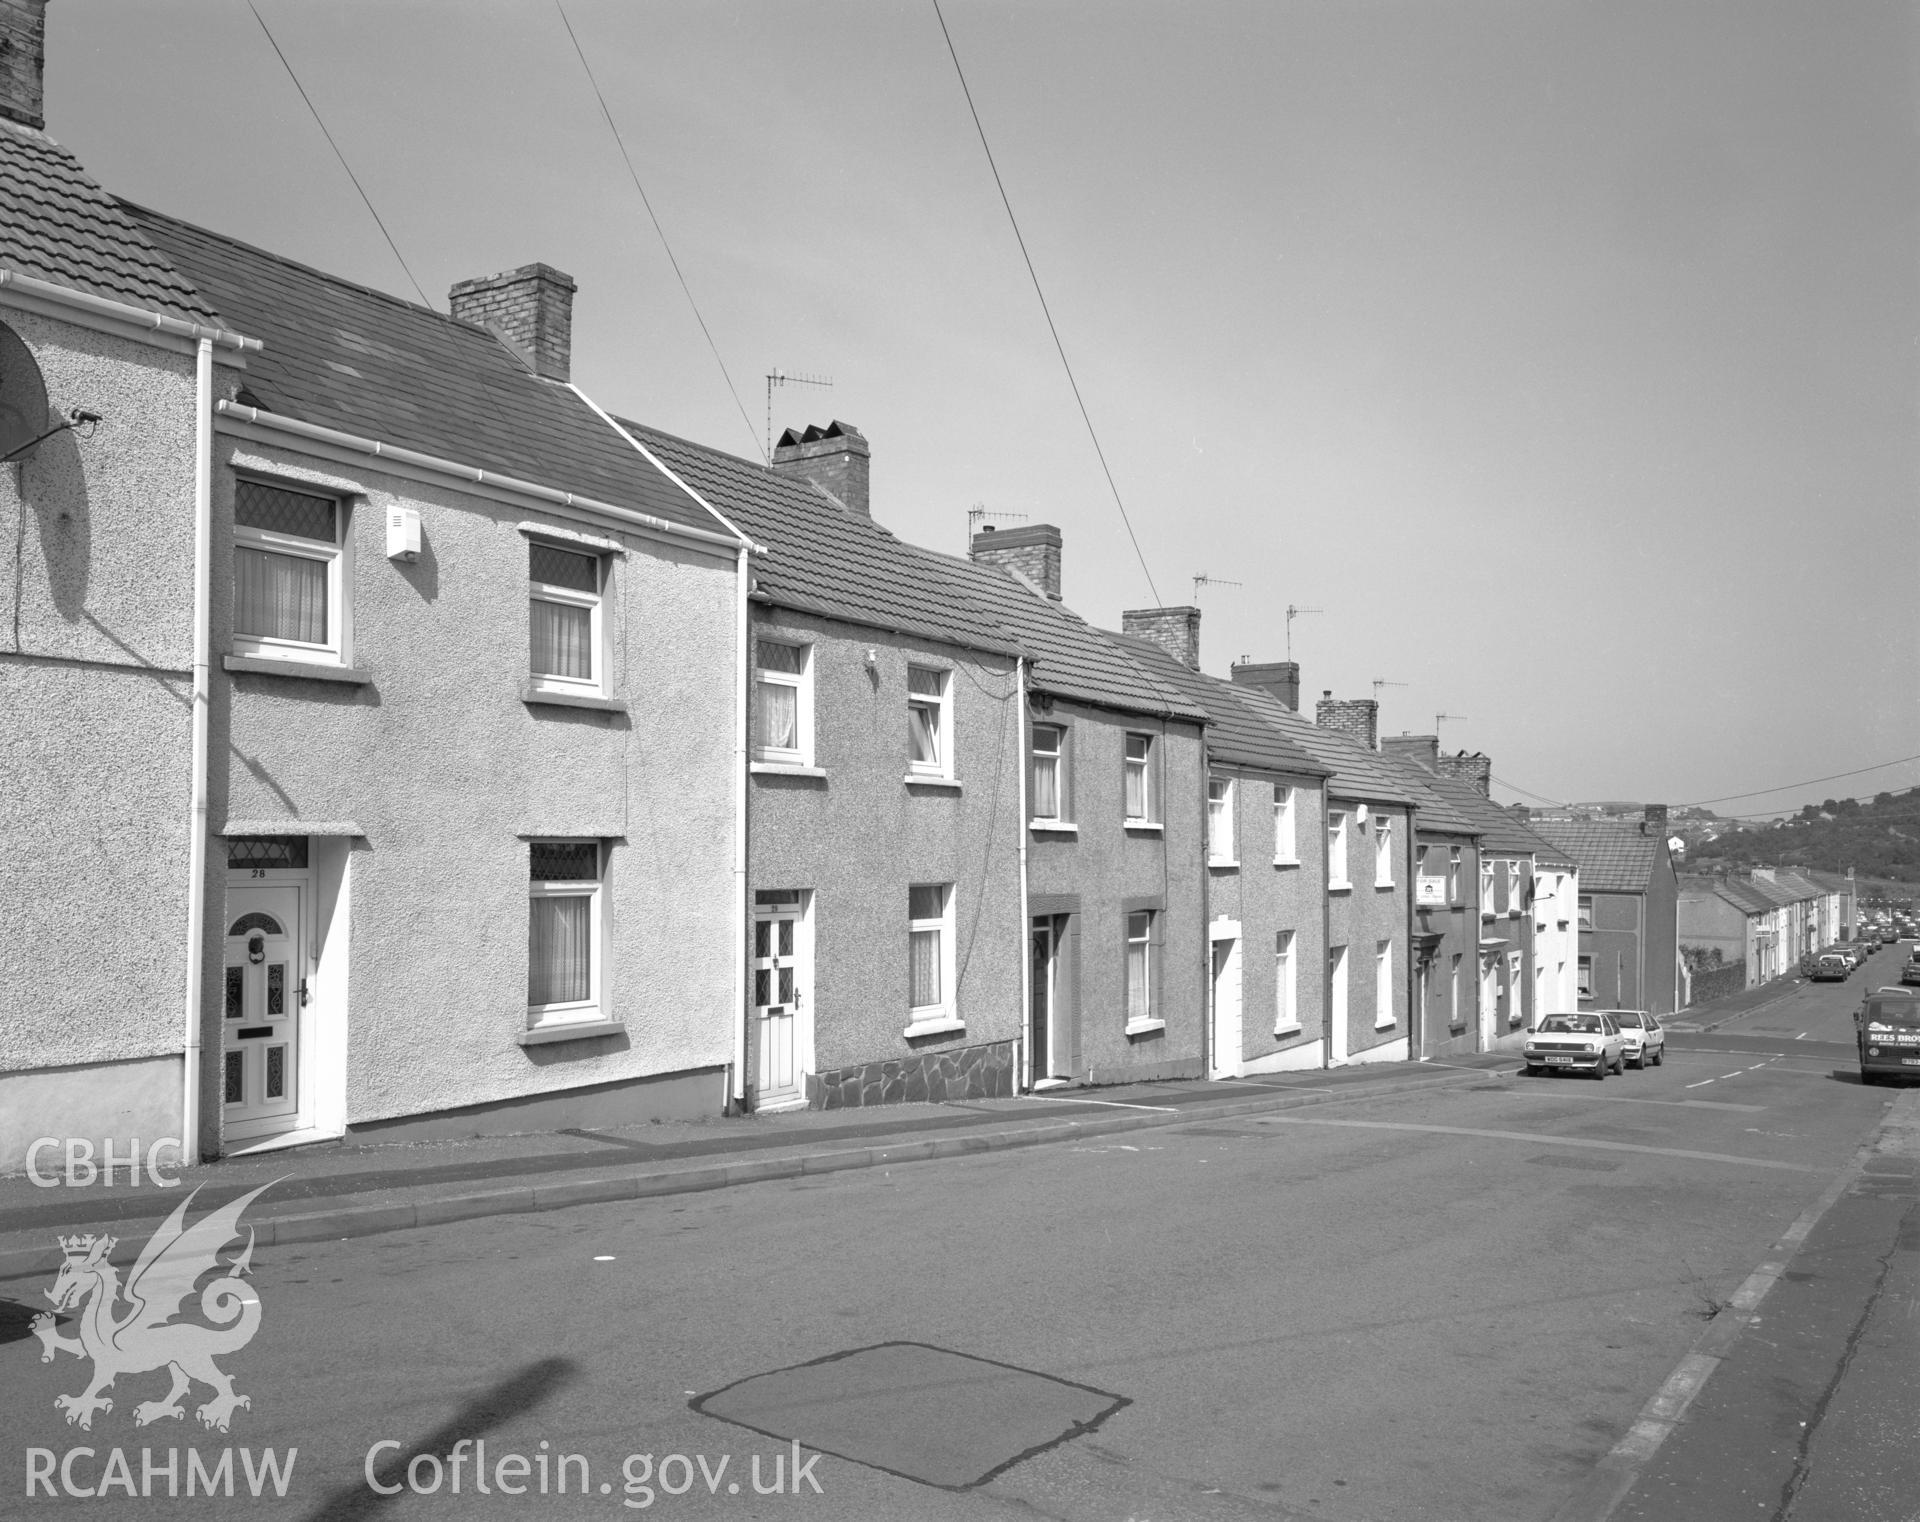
(1600, 1069)
(1620, 1064)
(1659, 1055)
(1532, 1070)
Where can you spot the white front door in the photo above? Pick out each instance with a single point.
(779, 1003)
(265, 989)
(1226, 1054)
(1337, 1007)
(1043, 951)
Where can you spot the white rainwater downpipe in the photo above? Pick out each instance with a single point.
(1023, 1064)
(202, 684)
(742, 653)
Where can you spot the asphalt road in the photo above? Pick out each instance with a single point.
(1446, 1307)
(1812, 1416)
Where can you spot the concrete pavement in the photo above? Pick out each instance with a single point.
(334, 1191)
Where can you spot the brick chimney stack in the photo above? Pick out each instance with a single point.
(1422, 750)
(23, 61)
(835, 458)
(1032, 549)
(1174, 630)
(1357, 718)
(1278, 679)
(531, 308)
(1654, 819)
(1476, 769)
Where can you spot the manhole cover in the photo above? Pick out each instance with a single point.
(921, 1412)
(1591, 1165)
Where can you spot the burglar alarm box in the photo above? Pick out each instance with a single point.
(403, 533)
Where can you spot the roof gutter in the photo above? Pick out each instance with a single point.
(132, 316)
(456, 471)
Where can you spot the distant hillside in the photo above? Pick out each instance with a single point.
(1877, 839)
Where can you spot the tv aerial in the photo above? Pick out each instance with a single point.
(1204, 580)
(779, 377)
(1292, 614)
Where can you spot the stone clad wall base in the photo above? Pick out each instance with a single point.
(967, 1072)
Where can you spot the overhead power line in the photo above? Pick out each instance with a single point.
(640, 189)
(1032, 275)
(1537, 797)
(1811, 781)
(338, 154)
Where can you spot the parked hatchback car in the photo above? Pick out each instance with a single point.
(1831, 968)
(1588, 1042)
(1643, 1039)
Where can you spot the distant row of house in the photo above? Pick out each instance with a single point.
(402, 744)
(1763, 921)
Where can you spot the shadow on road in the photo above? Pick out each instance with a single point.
(479, 1416)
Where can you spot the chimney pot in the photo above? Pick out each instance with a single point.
(1174, 630)
(23, 61)
(1278, 679)
(835, 458)
(1032, 549)
(530, 307)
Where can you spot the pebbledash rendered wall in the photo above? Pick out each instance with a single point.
(1265, 895)
(441, 772)
(96, 619)
(1359, 917)
(1101, 871)
(856, 836)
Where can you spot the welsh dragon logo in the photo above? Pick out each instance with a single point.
(145, 1336)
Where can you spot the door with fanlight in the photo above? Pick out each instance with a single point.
(265, 989)
(781, 1020)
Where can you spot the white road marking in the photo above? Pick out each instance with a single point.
(1801, 1037)
(1701, 1084)
(1531, 1136)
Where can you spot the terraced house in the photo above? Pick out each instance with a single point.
(1265, 872)
(373, 760)
(1629, 894)
(886, 945)
(1368, 883)
(1118, 965)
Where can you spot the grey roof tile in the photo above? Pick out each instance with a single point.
(350, 358)
(57, 225)
(1612, 858)
(1238, 734)
(1072, 659)
(827, 559)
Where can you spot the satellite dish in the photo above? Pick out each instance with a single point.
(17, 430)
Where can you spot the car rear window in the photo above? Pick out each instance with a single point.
(1628, 1019)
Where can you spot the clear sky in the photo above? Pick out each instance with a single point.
(1564, 354)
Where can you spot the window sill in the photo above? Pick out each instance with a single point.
(1145, 826)
(1053, 826)
(1223, 864)
(781, 769)
(1339, 887)
(1385, 1025)
(312, 671)
(1388, 884)
(949, 784)
(1288, 1030)
(539, 696)
(1144, 1027)
(937, 1025)
(1286, 861)
(577, 1030)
